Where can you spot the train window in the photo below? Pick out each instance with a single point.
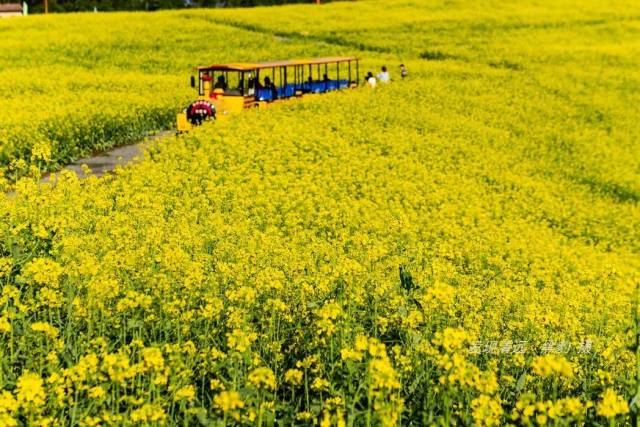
(235, 83)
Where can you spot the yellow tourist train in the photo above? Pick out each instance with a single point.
(230, 88)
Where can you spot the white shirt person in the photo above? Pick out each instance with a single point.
(384, 76)
(371, 81)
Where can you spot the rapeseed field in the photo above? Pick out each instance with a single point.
(456, 248)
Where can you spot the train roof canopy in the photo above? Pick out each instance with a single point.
(246, 66)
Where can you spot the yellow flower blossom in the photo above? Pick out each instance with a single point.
(30, 393)
(45, 328)
(8, 403)
(348, 354)
(451, 339)
(6, 263)
(148, 413)
(228, 401)
(487, 411)
(293, 376)
(5, 326)
(118, 368)
(552, 365)
(7, 420)
(97, 392)
(187, 393)
(153, 359)
(320, 384)
(216, 384)
(241, 341)
(263, 378)
(42, 271)
(611, 404)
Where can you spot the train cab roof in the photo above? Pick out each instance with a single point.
(246, 66)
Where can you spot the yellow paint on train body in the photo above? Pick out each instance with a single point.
(182, 123)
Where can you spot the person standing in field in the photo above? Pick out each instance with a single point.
(383, 75)
(371, 81)
(403, 71)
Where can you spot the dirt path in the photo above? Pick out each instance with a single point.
(106, 162)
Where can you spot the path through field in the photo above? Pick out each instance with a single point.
(108, 161)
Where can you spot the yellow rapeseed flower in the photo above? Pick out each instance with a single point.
(153, 359)
(187, 393)
(30, 392)
(148, 413)
(97, 392)
(45, 328)
(228, 401)
(263, 378)
(611, 404)
(5, 326)
(42, 271)
(487, 411)
(552, 365)
(293, 376)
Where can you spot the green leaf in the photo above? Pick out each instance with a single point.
(521, 381)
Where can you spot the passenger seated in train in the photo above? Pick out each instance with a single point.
(257, 84)
(221, 83)
(308, 85)
(268, 84)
